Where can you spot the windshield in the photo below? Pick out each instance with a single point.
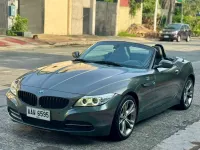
(119, 54)
(173, 26)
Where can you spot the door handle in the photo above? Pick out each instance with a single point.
(148, 84)
(177, 71)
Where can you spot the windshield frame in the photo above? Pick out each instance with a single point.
(151, 60)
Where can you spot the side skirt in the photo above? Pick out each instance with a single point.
(157, 110)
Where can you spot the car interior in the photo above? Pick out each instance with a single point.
(125, 56)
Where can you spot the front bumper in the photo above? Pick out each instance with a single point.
(86, 121)
(168, 36)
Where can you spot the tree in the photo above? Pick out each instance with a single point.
(148, 7)
(170, 5)
(191, 7)
(134, 6)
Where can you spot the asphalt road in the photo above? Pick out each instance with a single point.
(146, 135)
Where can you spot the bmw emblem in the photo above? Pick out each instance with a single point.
(41, 92)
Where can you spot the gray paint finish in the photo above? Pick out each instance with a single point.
(34, 12)
(74, 79)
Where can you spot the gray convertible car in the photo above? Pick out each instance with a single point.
(104, 91)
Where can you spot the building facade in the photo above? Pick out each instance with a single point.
(59, 17)
(112, 18)
(8, 11)
(77, 17)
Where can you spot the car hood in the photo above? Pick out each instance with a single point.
(76, 77)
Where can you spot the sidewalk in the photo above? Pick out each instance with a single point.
(58, 40)
(15, 42)
(188, 139)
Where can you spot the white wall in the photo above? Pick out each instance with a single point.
(11, 19)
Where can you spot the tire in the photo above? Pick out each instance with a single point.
(123, 125)
(188, 39)
(187, 95)
(178, 38)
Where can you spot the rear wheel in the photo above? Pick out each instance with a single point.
(187, 95)
(124, 119)
(188, 39)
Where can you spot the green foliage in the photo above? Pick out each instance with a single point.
(126, 34)
(148, 14)
(176, 18)
(20, 24)
(134, 6)
(191, 8)
(10, 33)
(163, 21)
(149, 7)
(194, 22)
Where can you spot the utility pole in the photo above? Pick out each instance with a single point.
(155, 16)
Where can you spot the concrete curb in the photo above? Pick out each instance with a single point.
(50, 45)
(72, 43)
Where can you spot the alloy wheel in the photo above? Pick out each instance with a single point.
(127, 117)
(188, 93)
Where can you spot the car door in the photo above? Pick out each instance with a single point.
(166, 85)
(145, 88)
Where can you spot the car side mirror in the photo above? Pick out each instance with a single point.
(164, 64)
(76, 54)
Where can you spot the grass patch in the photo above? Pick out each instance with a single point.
(126, 34)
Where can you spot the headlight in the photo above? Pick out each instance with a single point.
(94, 100)
(13, 87)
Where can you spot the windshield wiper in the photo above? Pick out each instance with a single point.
(108, 63)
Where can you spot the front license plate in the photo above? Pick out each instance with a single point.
(166, 36)
(38, 113)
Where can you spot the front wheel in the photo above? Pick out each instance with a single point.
(187, 95)
(178, 38)
(124, 119)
